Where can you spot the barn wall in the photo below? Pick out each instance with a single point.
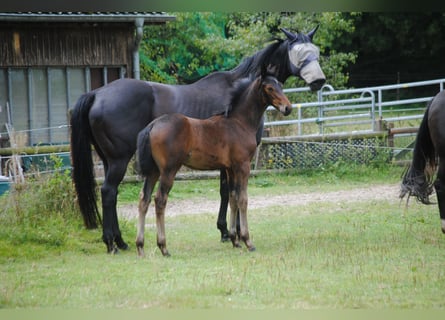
(45, 67)
(66, 44)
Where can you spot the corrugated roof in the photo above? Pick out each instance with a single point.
(154, 17)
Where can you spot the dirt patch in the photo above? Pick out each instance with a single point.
(194, 206)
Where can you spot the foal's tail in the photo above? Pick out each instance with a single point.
(82, 161)
(418, 179)
(144, 157)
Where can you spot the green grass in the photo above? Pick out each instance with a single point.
(366, 255)
(369, 254)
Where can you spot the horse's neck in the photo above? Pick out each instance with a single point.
(250, 108)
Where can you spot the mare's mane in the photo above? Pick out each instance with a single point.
(252, 65)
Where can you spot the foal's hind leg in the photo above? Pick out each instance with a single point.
(144, 202)
(439, 185)
(165, 185)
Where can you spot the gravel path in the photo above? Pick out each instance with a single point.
(194, 206)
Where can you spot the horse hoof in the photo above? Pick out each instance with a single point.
(166, 254)
(225, 238)
(141, 252)
(111, 248)
(251, 249)
(113, 251)
(123, 246)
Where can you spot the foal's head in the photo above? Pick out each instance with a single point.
(273, 94)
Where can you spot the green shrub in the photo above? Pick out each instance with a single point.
(40, 210)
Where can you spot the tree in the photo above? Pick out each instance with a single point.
(396, 47)
(198, 43)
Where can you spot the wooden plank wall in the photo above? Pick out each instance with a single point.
(66, 44)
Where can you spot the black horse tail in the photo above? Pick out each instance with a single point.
(82, 160)
(144, 156)
(418, 179)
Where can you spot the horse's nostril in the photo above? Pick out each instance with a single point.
(287, 110)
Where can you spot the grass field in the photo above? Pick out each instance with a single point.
(323, 255)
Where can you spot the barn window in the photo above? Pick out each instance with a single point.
(36, 100)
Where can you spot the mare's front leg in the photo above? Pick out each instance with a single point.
(439, 185)
(221, 223)
(165, 185)
(114, 173)
(144, 202)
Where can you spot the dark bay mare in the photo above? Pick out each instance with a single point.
(429, 158)
(110, 118)
(222, 142)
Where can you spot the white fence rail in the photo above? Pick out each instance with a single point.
(362, 106)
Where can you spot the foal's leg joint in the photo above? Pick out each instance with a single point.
(234, 240)
(140, 248)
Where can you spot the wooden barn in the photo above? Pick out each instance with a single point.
(49, 59)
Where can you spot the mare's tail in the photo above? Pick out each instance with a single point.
(418, 179)
(144, 157)
(82, 160)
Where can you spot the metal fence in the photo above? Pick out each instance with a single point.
(358, 110)
(339, 125)
(353, 125)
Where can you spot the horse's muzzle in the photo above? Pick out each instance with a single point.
(286, 110)
(317, 84)
(313, 75)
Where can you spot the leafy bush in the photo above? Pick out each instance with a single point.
(40, 210)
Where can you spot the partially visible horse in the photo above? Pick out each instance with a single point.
(421, 179)
(111, 117)
(222, 142)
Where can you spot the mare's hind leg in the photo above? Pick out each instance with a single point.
(114, 173)
(221, 223)
(144, 202)
(439, 185)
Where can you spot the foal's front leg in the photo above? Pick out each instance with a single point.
(244, 228)
(238, 203)
(233, 218)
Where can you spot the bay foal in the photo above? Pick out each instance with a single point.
(222, 142)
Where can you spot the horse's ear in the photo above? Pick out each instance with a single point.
(290, 36)
(268, 70)
(312, 32)
(271, 70)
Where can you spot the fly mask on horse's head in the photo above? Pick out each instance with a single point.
(304, 55)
